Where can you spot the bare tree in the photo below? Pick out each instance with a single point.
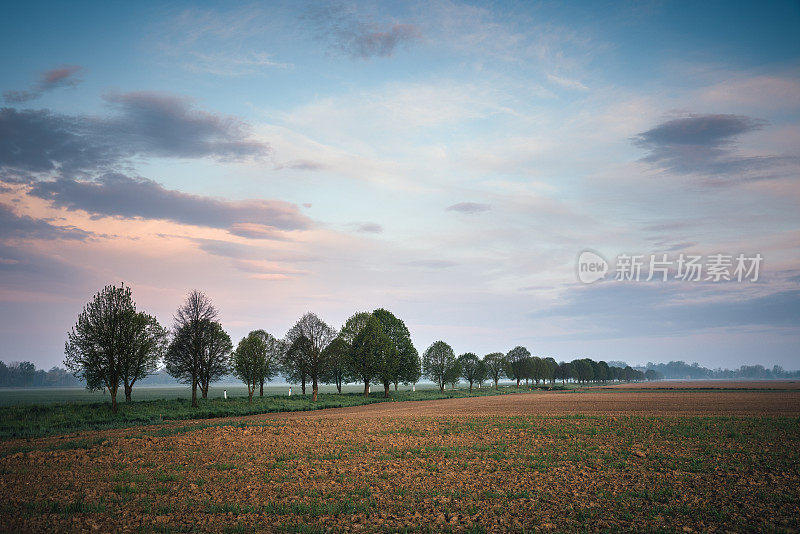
(319, 335)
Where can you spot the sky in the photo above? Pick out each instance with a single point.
(447, 161)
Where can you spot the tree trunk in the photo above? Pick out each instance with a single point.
(261, 391)
(386, 390)
(204, 391)
(517, 382)
(304, 384)
(441, 387)
(366, 388)
(314, 389)
(128, 389)
(495, 385)
(395, 386)
(338, 385)
(194, 393)
(113, 392)
(470, 387)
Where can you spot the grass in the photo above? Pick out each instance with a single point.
(36, 420)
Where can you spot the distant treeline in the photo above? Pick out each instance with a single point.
(25, 374)
(683, 370)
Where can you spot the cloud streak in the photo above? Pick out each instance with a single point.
(703, 144)
(65, 76)
(469, 207)
(347, 33)
(117, 195)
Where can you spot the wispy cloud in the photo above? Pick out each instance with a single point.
(224, 42)
(469, 207)
(64, 76)
(369, 228)
(567, 83)
(348, 32)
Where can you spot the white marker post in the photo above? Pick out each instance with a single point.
(225, 393)
(290, 391)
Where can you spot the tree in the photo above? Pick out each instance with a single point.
(146, 343)
(564, 371)
(470, 367)
(550, 369)
(438, 363)
(272, 358)
(336, 355)
(372, 355)
(495, 366)
(453, 375)
(408, 369)
(98, 343)
(249, 361)
(197, 353)
(215, 362)
(482, 373)
(294, 362)
(319, 335)
(603, 372)
(516, 360)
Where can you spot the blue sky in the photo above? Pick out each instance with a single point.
(445, 160)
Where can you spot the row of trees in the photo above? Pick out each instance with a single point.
(113, 345)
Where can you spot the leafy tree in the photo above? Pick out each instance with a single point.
(249, 361)
(603, 372)
(336, 355)
(408, 369)
(495, 366)
(372, 355)
(146, 343)
(215, 362)
(550, 369)
(353, 326)
(99, 343)
(200, 348)
(453, 375)
(272, 358)
(564, 371)
(438, 363)
(294, 362)
(470, 366)
(516, 362)
(319, 335)
(582, 370)
(482, 373)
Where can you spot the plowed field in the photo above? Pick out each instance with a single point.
(690, 459)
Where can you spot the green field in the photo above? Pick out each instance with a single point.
(66, 411)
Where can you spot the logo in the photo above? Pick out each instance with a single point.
(591, 267)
